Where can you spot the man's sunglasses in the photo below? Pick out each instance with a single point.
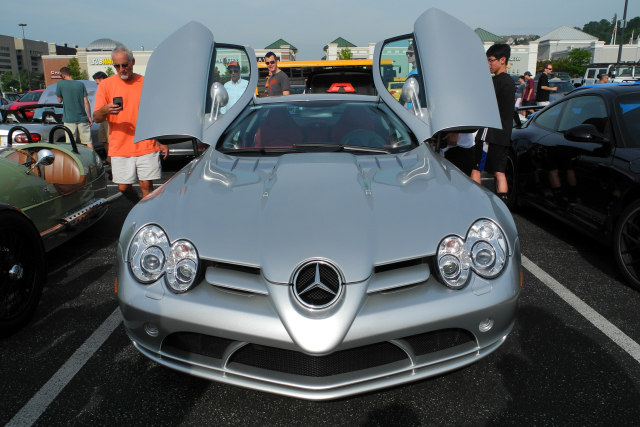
(125, 65)
(234, 70)
(409, 53)
(269, 62)
(549, 68)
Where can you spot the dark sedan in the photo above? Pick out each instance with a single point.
(579, 160)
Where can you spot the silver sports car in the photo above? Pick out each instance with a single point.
(320, 248)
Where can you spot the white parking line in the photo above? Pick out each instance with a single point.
(116, 185)
(606, 327)
(30, 412)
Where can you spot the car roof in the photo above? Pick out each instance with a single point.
(607, 89)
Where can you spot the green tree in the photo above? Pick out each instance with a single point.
(110, 72)
(9, 80)
(578, 61)
(345, 54)
(76, 73)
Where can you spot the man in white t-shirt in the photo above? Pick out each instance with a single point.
(235, 87)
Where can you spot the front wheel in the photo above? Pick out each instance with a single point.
(22, 271)
(511, 175)
(626, 244)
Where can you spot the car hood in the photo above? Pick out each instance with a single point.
(357, 211)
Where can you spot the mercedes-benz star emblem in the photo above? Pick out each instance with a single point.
(317, 284)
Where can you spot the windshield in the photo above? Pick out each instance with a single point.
(562, 86)
(622, 71)
(628, 109)
(317, 126)
(31, 97)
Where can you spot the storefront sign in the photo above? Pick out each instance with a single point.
(55, 75)
(102, 61)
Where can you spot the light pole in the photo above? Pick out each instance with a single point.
(24, 50)
(622, 25)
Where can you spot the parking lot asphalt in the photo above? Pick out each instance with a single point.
(561, 365)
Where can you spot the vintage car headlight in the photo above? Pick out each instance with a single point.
(483, 251)
(151, 256)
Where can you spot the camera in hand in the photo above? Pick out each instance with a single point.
(118, 100)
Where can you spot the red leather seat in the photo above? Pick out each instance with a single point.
(278, 130)
(354, 117)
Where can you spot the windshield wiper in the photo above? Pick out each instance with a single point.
(340, 147)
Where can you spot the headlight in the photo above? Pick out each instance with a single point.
(483, 251)
(182, 266)
(488, 248)
(151, 256)
(453, 262)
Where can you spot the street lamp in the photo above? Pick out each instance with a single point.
(622, 27)
(24, 50)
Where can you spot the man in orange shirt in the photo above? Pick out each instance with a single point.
(117, 101)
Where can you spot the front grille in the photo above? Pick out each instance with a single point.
(204, 345)
(340, 362)
(430, 342)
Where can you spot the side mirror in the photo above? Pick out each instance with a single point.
(410, 92)
(45, 158)
(584, 133)
(220, 98)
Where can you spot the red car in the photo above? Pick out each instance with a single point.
(30, 97)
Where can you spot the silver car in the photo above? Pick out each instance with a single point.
(319, 248)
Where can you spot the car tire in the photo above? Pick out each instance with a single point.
(626, 244)
(511, 174)
(22, 271)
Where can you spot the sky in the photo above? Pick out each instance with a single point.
(308, 25)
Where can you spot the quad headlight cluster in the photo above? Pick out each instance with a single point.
(151, 255)
(484, 250)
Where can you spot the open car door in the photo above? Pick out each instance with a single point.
(451, 87)
(176, 103)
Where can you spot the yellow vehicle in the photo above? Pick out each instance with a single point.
(395, 89)
(299, 71)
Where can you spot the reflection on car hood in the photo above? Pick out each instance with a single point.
(357, 211)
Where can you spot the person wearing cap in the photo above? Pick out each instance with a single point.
(529, 97)
(235, 87)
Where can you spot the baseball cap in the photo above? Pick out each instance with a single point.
(527, 73)
(233, 64)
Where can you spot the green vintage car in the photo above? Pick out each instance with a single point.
(48, 194)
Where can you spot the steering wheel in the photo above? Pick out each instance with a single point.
(30, 160)
(363, 138)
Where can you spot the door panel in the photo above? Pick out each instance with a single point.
(176, 96)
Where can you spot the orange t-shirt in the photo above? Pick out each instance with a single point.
(122, 126)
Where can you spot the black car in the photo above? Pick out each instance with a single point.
(578, 159)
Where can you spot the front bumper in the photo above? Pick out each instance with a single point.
(243, 320)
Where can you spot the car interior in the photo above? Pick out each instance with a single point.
(286, 127)
(64, 173)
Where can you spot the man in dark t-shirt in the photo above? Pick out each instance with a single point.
(543, 89)
(498, 140)
(277, 83)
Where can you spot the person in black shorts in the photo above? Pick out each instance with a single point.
(498, 140)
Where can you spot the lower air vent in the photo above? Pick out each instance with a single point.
(431, 342)
(340, 362)
(204, 345)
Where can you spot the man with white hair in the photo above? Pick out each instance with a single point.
(117, 101)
